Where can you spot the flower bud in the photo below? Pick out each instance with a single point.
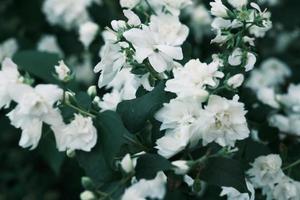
(62, 71)
(87, 195)
(71, 153)
(87, 183)
(92, 91)
(218, 9)
(238, 3)
(182, 167)
(129, 3)
(236, 81)
(127, 164)
(87, 33)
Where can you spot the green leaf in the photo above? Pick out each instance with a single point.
(149, 164)
(224, 172)
(112, 133)
(47, 149)
(136, 112)
(39, 64)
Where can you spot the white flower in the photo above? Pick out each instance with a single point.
(129, 3)
(110, 101)
(87, 195)
(292, 99)
(286, 189)
(128, 164)
(181, 119)
(218, 9)
(266, 171)
(272, 73)
(238, 3)
(34, 107)
(8, 48)
(48, 43)
(234, 194)
(87, 33)
(133, 19)
(220, 23)
(281, 122)
(80, 134)
(220, 38)
(112, 60)
(182, 167)
(62, 70)
(175, 6)
(144, 189)
(236, 58)
(172, 143)
(268, 96)
(236, 81)
(160, 42)
(191, 80)
(68, 14)
(227, 121)
(9, 75)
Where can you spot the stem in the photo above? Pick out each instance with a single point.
(153, 72)
(150, 7)
(292, 165)
(80, 110)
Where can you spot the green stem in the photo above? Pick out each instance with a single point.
(292, 165)
(150, 7)
(79, 110)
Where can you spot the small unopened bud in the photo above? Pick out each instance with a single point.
(236, 81)
(68, 96)
(87, 195)
(127, 164)
(87, 183)
(182, 167)
(62, 71)
(92, 91)
(71, 153)
(129, 3)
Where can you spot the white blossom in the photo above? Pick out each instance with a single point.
(9, 76)
(128, 164)
(292, 99)
(234, 194)
(34, 107)
(181, 167)
(191, 80)
(68, 14)
(227, 121)
(286, 189)
(266, 171)
(268, 97)
(87, 33)
(62, 70)
(238, 3)
(144, 189)
(159, 42)
(218, 9)
(8, 48)
(48, 43)
(129, 3)
(237, 56)
(80, 134)
(236, 81)
(87, 195)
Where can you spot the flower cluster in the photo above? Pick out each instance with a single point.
(36, 106)
(266, 174)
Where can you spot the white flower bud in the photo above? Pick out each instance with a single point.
(182, 167)
(127, 164)
(62, 70)
(129, 3)
(236, 81)
(238, 3)
(87, 195)
(87, 33)
(218, 9)
(92, 91)
(71, 153)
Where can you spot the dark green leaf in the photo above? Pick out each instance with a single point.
(135, 113)
(149, 164)
(224, 172)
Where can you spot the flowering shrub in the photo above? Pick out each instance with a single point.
(164, 121)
